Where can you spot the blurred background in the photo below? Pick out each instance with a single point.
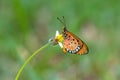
(26, 25)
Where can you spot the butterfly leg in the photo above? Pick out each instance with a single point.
(64, 50)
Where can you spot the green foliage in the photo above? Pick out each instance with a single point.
(26, 25)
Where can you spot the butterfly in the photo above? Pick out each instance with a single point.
(72, 43)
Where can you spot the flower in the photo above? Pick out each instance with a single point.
(58, 39)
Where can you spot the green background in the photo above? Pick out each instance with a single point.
(26, 25)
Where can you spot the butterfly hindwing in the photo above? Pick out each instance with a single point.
(73, 44)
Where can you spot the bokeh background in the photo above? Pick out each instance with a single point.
(26, 25)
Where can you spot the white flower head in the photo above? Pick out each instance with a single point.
(57, 39)
(58, 36)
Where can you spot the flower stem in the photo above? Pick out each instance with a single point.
(26, 62)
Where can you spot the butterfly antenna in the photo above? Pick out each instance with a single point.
(63, 22)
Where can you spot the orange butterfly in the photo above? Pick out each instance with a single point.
(72, 43)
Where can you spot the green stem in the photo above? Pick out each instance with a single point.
(36, 52)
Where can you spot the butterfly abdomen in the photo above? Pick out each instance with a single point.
(83, 50)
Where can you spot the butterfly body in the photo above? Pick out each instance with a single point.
(73, 44)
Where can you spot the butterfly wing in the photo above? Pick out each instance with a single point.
(73, 44)
(83, 46)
